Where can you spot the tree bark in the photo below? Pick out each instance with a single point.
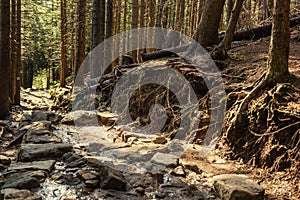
(229, 5)
(63, 27)
(134, 25)
(13, 53)
(4, 55)
(220, 52)
(81, 14)
(280, 42)
(19, 49)
(98, 30)
(109, 32)
(207, 31)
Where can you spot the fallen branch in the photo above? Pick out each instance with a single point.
(259, 32)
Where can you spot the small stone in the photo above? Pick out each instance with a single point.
(5, 160)
(87, 175)
(178, 171)
(92, 183)
(140, 190)
(160, 140)
(237, 187)
(111, 179)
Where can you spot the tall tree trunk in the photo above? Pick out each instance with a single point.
(159, 38)
(207, 31)
(109, 32)
(18, 62)
(220, 52)
(142, 23)
(152, 6)
(13, 53)
(125, 27)
(4, 55)
(134, 25)
(63, 27)
(80, 55)
(280, 42)
(229, 5)
(98, 30)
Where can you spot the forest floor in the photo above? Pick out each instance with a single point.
(81, 171)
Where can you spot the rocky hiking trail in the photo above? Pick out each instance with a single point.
(43, 157)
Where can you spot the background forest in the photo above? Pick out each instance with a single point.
(43, 23)
(255, 45)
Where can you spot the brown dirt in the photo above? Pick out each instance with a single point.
(247, 64)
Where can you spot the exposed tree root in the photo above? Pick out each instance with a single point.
(264, 127)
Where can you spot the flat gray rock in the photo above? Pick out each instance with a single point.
(164, 159)
(41, 139)
(36, 152)
(237, 187)
(46, 165)
(81, 118)
(22, 182)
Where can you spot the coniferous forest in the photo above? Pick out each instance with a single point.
(150, 99)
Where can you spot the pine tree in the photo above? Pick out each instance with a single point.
(207, 31)
(4, 55)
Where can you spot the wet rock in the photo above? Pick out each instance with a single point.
(22, 182)
(178, 171)
(164, 159)
(237, 187)
(36, 152)
(81, 118)
(11, 193)
(5, 160)
(46, 165)
(160, 140)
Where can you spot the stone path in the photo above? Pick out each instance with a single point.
(43, 157)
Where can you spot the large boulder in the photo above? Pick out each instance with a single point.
(237, 187)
